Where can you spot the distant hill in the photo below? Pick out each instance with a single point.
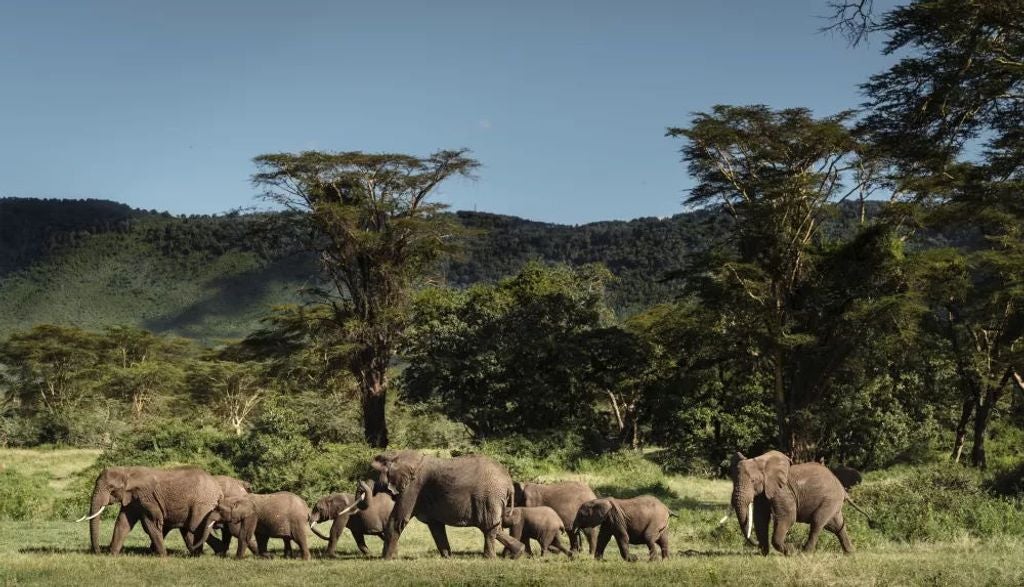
(95, 263)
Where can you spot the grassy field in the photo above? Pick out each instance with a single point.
(55, 552)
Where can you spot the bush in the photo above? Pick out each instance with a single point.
(935, 503)
(24, 497)
(170, 443)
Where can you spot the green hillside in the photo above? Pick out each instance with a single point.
(94, 263)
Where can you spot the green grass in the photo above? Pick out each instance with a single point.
(55, 551)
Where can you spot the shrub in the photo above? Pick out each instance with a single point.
(935, 503)
(24, 497)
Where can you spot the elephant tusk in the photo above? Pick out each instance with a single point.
(88, 517)
(750, 519)
(724, 518)
(212, 523)
(349, 509)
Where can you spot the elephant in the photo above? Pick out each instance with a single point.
(565, 498)
(540, 523)
(230, 487)
(273, 515)
(465, 491)
(771, 486)
(363, 513)
(162, 499)
(640, 520)
(848, 476)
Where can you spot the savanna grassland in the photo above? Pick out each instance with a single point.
(53, 549)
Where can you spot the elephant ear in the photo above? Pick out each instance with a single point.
(775, 466)
(616, 516)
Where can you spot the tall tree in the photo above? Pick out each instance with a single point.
(370, 220)
(948, 117)
(778, 175)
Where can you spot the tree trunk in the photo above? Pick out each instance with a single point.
(981, 418)
(375, 427)
(961, 430)
(782, 407)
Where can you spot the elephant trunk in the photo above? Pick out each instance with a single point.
(743, 505)
(100, 499)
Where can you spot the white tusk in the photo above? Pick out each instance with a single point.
(87, 517)
(349, 509)
(750, 519)
(212, 523)
(724, 518)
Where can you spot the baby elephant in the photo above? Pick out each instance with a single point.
(363, 513)
(265, 516)
(536, 523)
(641, 520)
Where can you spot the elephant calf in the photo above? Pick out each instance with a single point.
(275, 515)
(640, 520)
(363, 513)
(536, 523)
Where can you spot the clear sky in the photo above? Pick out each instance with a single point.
(163, 104)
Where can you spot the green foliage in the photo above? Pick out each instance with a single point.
(24, 497)
(937, 503)
(514, 357)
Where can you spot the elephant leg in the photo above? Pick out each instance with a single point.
(817, 524)
(603, 536)
(337, 528)
(225, 541)
(301, 542)
(440, 535)
(653, 553)
(156, 534)
(527, 549)
(556, 546)
(591, 534)
(192, 546)
(762, 523)
(287, 547)
(623, 541)
(261, 545)
(837, 526)
(125, 522)
(663, 544)
(513, 545)
(782, 526)
(360, 539)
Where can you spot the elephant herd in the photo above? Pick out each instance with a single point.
(465, 491)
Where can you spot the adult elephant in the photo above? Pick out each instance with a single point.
(158, 498)
(565, 498)
(770, 486)
(467, 491)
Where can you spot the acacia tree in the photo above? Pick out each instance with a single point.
(803, 306)
(948, 118)
(370, 220)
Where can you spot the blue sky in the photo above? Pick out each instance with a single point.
(163, 104)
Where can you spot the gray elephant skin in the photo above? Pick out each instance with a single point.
(362, 513)
(229, 487)
(640, 520)
(465, 491)
(161, 499)
(264, 516)
(540, 523)
(771, 486)
(565, 498)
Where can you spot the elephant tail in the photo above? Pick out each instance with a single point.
(871, 523)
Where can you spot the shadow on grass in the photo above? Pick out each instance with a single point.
(670, 498)
(128, 550)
